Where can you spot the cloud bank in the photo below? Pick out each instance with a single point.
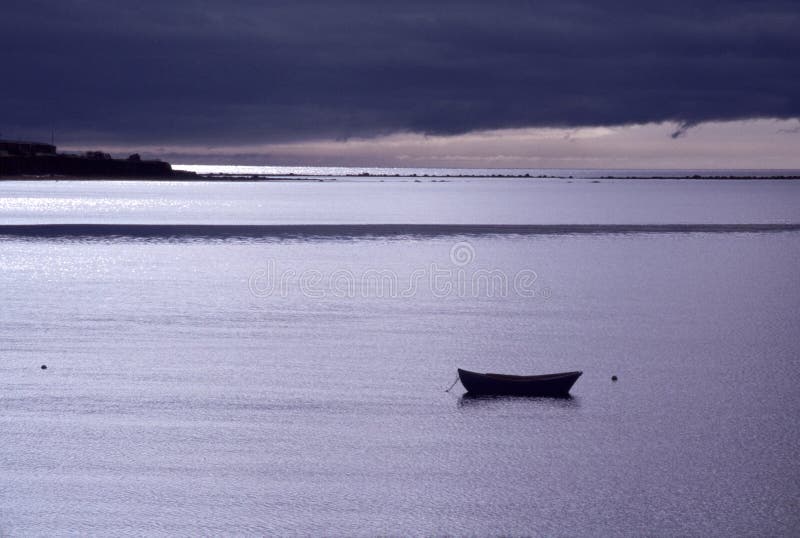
(245, 72)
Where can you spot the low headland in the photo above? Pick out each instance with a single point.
(36, 160)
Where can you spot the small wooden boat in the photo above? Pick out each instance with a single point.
(518, 385)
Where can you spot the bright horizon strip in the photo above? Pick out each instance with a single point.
(748, 144)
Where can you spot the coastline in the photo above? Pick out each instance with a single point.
(39, 161)
(186, 176)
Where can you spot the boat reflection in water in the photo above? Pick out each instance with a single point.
(478, 401)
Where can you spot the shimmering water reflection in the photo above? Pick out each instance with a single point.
(176, 401)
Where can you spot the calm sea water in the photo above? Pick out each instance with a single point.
(208, 383)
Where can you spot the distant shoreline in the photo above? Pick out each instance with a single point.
(256, 177)
(182, 176)
(39, 161)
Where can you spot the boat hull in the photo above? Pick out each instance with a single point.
(511, 385)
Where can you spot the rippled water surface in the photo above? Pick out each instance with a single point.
(403, 201)
(273, 384)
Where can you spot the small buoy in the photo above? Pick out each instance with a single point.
(613, 378)
(44, 367)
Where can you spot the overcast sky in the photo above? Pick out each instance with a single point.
(425, 83)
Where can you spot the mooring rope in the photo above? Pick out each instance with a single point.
(453, 385)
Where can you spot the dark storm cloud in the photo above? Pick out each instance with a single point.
(249, 71)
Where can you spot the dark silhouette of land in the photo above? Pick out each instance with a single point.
(39, 160)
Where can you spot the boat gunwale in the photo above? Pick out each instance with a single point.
(522, 378)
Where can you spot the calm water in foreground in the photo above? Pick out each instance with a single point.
(272, 384)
